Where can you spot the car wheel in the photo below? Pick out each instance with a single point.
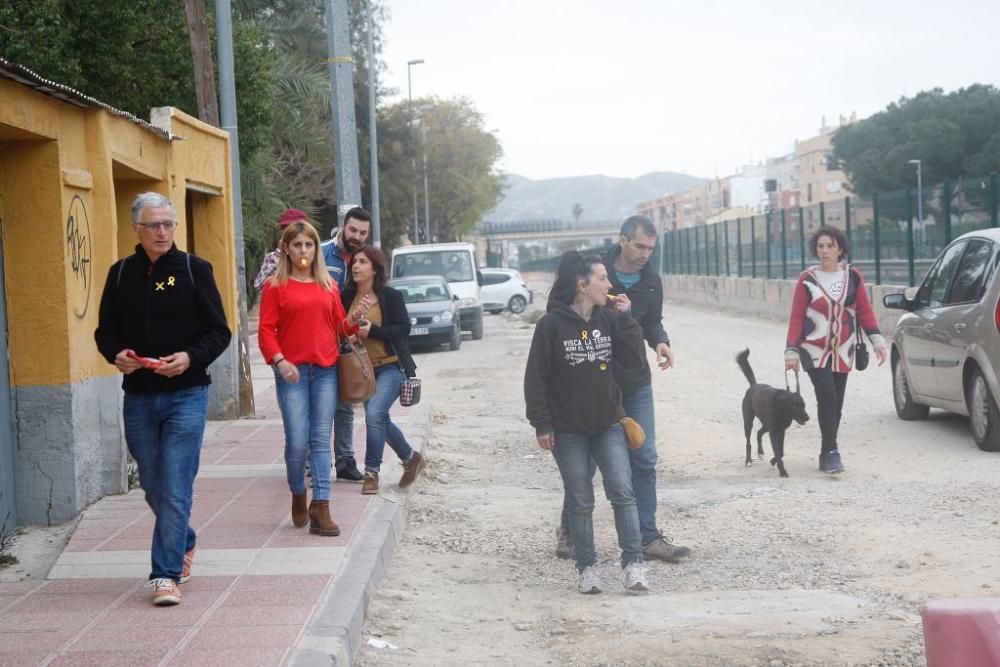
(983, 413)
(456, 339)
(477, 330)
(906, 407)
(517, 304)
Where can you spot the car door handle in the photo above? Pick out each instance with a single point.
(959, 327)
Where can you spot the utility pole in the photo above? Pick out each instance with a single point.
(372, 132)
(345, 140)
(227, 89)
(413, 157)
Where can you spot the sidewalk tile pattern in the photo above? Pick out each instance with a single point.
(256, 583)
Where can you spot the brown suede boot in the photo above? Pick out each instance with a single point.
(300, 513)
(320, 522)
(411, 470)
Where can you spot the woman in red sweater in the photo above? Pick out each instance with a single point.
(829, 303)
(300, 315)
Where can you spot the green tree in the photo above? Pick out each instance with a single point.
(955, 135)
(463, 180)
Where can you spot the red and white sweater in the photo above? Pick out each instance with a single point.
(821, 327)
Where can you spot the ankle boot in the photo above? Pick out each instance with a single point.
(300, 513)
(320, 522)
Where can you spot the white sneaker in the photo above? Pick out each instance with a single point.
(635, 578)
(590, 582)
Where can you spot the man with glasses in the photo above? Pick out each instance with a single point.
(630, 273)
(161, 323)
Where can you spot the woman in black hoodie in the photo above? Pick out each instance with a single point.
(574, 404)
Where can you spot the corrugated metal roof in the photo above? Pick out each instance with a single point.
(25, 76)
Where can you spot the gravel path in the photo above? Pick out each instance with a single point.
(809, 570)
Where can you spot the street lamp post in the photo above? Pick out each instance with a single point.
(413, 158)
(920, 200)
(427, 201)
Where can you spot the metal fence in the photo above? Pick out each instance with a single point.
(894, 237)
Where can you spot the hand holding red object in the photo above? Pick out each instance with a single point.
(147, 362)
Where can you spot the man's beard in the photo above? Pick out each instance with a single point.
(352, 245)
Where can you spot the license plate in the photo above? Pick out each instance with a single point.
(419, 331)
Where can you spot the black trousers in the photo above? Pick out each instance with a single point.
(830, 388)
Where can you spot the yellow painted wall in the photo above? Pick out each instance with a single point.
(68, 176)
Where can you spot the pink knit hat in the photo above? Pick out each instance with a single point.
(292, 215)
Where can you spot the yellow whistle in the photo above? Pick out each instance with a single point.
(303, 262)
(611, 297)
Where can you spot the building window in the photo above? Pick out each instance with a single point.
(809, 192)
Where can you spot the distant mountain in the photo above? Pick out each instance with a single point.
(602, 197)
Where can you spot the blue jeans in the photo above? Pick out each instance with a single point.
(379, 428)
(638, 404)
(573, 453)
(163, 432)
(343, 436)
(307, 414)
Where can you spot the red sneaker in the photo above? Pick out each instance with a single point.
(165, 592)
(188, 562)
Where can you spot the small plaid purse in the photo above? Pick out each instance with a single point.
(409, 392)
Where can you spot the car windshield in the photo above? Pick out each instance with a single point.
(453, 265)
(422, 291)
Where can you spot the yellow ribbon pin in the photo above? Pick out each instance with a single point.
(170, 281)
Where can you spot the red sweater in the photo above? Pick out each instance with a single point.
(300, 321)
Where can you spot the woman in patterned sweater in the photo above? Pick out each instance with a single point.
(829, 302)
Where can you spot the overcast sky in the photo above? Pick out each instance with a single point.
(575, 87)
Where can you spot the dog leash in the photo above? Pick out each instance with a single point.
(796, 379)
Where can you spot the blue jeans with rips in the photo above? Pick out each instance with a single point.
(379, 428)
(574, 454)
(638, 404)
(307, 415)
(164, 433)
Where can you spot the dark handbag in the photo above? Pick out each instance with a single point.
(355, 375)
(860, 351)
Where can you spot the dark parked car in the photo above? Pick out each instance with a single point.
(433, 311)
(946, 350)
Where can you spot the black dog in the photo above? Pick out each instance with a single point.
(775, 408)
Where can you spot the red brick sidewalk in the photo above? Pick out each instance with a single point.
(257, 581)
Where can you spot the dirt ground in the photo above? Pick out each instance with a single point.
(809, 570)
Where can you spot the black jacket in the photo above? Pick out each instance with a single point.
(568, 382)
(647, 308)
(159, 309)
(395, 328)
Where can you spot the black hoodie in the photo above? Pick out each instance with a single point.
(568, 382)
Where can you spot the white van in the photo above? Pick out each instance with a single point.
(456, 263)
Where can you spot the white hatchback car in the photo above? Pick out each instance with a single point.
(504, 288)
(946, 349)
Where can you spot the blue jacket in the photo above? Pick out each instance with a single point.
(335, 264)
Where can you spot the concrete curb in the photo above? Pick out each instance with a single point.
(333, 636)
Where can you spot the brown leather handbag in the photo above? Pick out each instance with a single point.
(355, 375)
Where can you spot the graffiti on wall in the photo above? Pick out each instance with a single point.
(78, 248)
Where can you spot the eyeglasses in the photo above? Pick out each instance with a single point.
(163, 225)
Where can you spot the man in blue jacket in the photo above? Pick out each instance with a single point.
(161, 323)
(630, 273)
(337, 253)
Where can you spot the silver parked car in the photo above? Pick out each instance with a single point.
(946, 349)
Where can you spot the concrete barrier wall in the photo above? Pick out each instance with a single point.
(757, 297)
